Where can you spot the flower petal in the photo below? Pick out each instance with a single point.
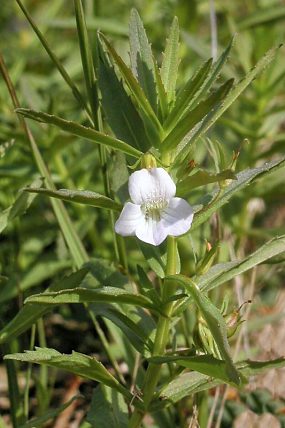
(177, 218)
(130, 217)
(151, 183)
(151, 232)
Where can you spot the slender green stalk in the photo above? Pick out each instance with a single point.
(14, 394)
(162, 335)
(105, 344)
(28, 375)
(43, 368)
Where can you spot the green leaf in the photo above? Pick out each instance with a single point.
(224, 272)
(206, 364)
(192, 117)
(85, 197)
(190, 383)
(169, 67)
(135, 88)
(198, 86)
(243, 179)
(201, 178)
(40, 421)
(80, 131)
(19, 207)
(185, 385)
(119, 108)
(187, 94)
(243, 84)
(29, 314)
(215, 71)
(82, 295)
(162, 96)
(108, 409)
(252, 368)
(77, 363)
(213, 116)
(214, 320)
(141, 58)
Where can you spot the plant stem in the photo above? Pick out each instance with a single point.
(28, 375)
(162, 334)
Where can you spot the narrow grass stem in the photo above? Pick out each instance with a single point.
(28, 375)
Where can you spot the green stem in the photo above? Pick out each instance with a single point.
(43, 376)
(162, 335)
(16, 407)
(28, 375)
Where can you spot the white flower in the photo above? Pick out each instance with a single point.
(154, 212)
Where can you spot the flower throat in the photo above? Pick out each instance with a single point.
(152, 208)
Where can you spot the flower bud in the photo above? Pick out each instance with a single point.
(148, 161)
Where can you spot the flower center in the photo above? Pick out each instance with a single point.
(153, 207)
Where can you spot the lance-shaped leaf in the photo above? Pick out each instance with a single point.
(83, 295)
(214, 320)
(118, 106)
(135, 88)
(189, 92)
(169, 67)
(215, 71)
(193, 382)
(242, 180)
(85, 197)
(29, 314)
(141, 58)
(201, 178)
(198, 86)
(77, 363)
(192, 117)
(206, 364)
(81, 131)
(224, 272)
